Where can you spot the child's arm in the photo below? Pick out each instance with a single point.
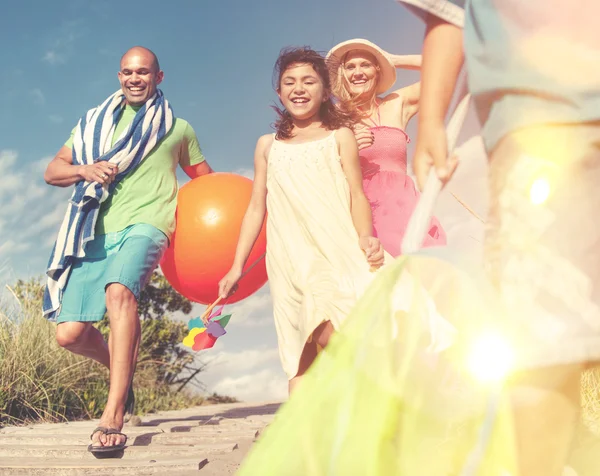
(253, 218)
(442, 61)
(360, 207)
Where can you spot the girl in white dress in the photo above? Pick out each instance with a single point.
(321, 252)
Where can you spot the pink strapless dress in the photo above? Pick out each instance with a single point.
(391, 192)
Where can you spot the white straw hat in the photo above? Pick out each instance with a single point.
(387, 70)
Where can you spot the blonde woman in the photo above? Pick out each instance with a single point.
(362, 72)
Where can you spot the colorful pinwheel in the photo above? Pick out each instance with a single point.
(204, 333)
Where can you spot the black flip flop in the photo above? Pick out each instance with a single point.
(107, 449)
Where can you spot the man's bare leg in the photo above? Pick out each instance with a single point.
(124, 341)
(84, 339)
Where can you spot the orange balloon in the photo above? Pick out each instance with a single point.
(209, 214)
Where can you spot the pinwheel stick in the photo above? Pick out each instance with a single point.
(206, 313)
(209, 309)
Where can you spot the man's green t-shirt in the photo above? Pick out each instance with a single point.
(148, 194)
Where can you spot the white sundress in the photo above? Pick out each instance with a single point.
(316, 268)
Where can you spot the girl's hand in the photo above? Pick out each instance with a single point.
(373, 250)
(228, 285)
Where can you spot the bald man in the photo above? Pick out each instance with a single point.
(131, 232)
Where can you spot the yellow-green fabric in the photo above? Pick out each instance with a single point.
(377, 402)
(148, 194)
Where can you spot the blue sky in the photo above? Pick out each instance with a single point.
(62, 58)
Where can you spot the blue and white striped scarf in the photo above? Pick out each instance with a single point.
(92, 143)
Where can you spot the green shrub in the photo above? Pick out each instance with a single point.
(41, 381)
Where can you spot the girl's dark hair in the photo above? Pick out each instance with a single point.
(332, 117)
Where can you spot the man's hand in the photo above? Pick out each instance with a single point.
(102, 172)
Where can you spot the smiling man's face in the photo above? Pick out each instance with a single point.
(139, 76)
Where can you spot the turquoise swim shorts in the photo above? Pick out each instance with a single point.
(127, 257)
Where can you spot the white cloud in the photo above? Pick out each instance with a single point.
(52, 219)
(37, 96)
(265, 385)
(9, 181)
(39, 166)
(248, 375)
(8, 186)
(255, 310)
(13, 205)
(10, 246)
(54, 57)
(7, 160)
(246, 172)
(30, 212)
(62, 46)
(230, 363)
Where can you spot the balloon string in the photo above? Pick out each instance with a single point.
(209, 309)
(258, 260)
(469, 209)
